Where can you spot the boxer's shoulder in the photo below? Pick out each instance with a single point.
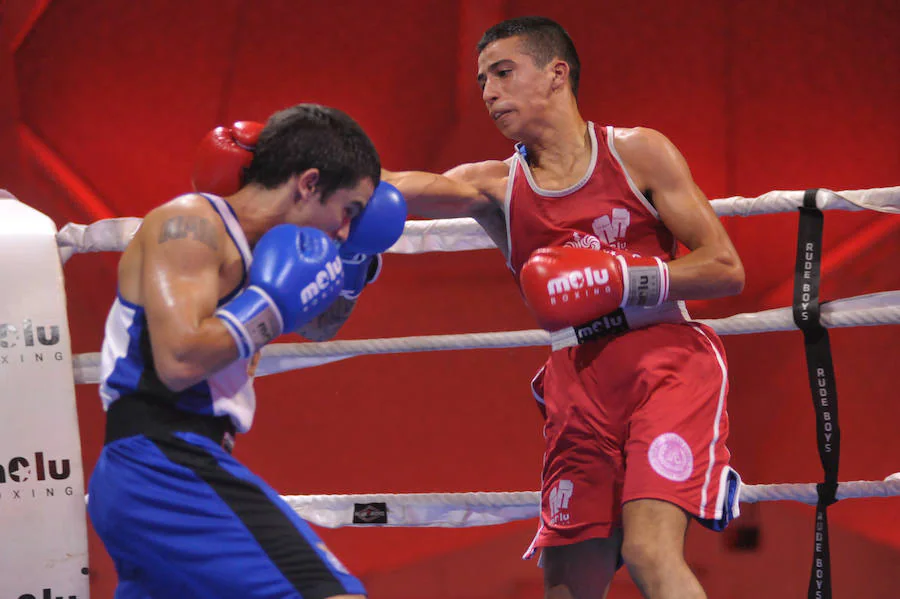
(190, 217)
(488, 176)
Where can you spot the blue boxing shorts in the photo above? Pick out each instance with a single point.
(182, 518)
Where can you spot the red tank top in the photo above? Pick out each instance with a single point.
(603, 210)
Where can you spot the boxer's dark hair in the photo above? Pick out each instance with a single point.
(308, 136)
(543, 39)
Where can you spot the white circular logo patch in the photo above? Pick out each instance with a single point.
(670, 456)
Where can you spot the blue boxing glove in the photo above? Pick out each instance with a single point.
(295, 275)
(373, 231)
(359, 271)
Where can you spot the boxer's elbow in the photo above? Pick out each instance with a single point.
(187, 357)
(738, 279)
(179, 366)
(731, 279)
(177, 375)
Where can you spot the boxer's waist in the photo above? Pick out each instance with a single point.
(618, 322)
(139, 415)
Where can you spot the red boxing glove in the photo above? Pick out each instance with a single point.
(222, 156)
(567, 286)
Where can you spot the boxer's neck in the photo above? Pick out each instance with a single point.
(259, 209)
(559, 141)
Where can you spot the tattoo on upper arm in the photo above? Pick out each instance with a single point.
(196, 227)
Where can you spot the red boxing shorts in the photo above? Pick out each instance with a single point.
(640, 415)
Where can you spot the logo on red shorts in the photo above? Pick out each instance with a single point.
(671, 457)
(559, 502)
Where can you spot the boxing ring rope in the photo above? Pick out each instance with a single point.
(461, 234)
(864, 310)
(482, 509)
(463, 510)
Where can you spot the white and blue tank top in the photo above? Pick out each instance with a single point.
(126, 364)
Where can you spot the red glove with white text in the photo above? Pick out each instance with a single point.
(222, 156)
(567, 286)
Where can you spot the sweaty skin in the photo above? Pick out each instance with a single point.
(182, 261)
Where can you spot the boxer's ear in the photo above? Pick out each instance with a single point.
(307, 185)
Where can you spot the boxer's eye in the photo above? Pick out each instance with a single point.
(353, 210)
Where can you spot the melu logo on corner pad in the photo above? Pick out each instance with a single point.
(25, 342)
(32, 477)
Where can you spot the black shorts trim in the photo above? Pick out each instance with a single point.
(285, 545)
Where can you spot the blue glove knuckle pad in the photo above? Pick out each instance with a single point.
(379, 225)
(372, 232)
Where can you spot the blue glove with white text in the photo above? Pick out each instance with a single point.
(373, 231)
(295, 275)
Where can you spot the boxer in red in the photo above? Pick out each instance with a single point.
(634, 392)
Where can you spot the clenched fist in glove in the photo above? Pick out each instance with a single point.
(567, 286)
(222, 156)
(373, 231)
(295, 275)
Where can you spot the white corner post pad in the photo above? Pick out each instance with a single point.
(42, 510)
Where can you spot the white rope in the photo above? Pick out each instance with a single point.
(462, 234)
(447, 510)
(883, 199)
(864, 310)
(108, 235)
(807, 493)
(449, 235)
(463, 510)
(459, 510)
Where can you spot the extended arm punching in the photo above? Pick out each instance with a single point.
(468, 190)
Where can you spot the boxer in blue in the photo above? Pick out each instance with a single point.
(205, 283)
